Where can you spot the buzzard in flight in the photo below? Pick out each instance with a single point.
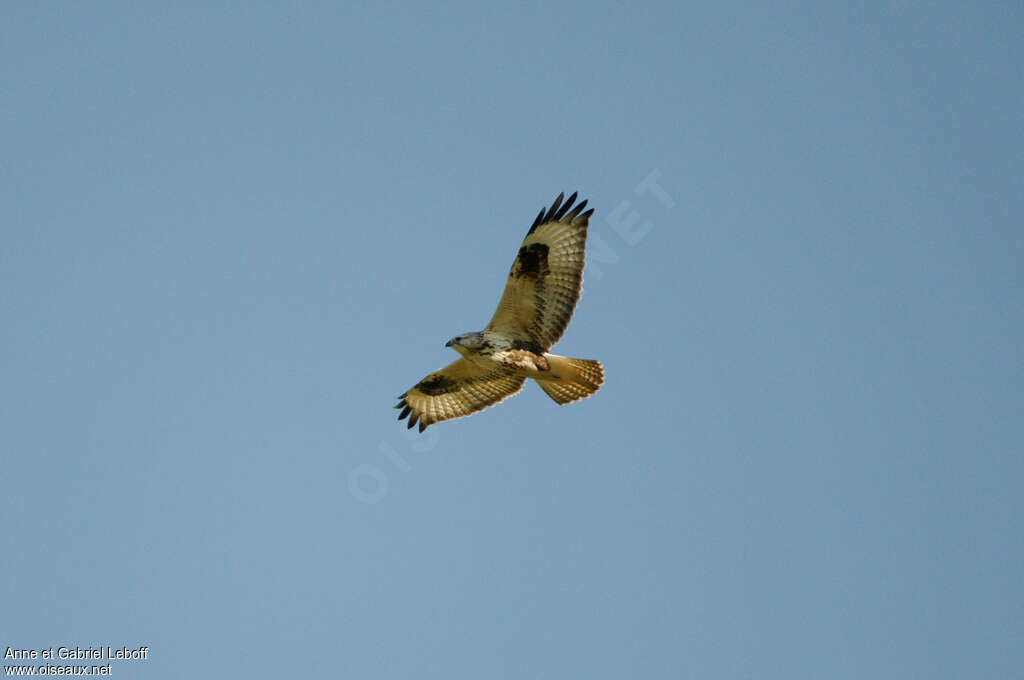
(540, 295)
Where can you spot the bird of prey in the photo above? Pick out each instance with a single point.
(540, 295)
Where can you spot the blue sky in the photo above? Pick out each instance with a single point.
(234, 231)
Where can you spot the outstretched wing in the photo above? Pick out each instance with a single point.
(546, 277)
(457, 390)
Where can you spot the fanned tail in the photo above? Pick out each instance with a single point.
(571, 379)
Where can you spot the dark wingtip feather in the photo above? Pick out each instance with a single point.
(554, 207)
(422, 426)
(412, 419)
(536, 222)
(576, 211)
(584, 217)
(565, 207)
(405, 412)
(559, 212)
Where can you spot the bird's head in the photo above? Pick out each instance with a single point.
(466, 343)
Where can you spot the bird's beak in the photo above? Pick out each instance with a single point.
(448, 344)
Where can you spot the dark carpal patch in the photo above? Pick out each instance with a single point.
(532, 261)
(437, 384)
